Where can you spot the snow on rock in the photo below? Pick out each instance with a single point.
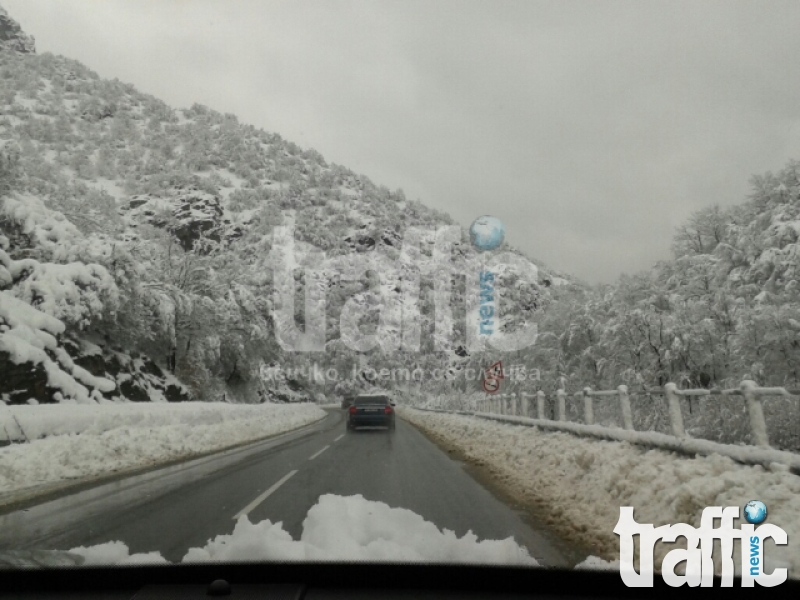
(26, 337)
(52, 280)
(583, 483)
(37, 363)
(72, 292)
(16, 313)
(36, 226)
(337, 528)
(91, 441)
(137, 377)
(191, 214)
(40, 300)
(12, 37)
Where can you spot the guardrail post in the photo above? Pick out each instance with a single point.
(588, 409)
(757, 423)
(562, 405)
(625, 407)
(514, 405)
(540, 404)
(675, 415)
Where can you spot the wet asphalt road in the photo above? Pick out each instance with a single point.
(182, 506)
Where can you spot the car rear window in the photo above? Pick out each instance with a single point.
(362, 400)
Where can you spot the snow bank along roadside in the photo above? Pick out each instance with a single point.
(337, 528)
(87, 441)
(580, 484)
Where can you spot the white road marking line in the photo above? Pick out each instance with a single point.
(264, 496)
(316, 454)
(338, 438)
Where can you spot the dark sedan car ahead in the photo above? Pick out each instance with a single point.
(371, 411)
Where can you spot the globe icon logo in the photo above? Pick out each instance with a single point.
(487, 233)
(755, 512)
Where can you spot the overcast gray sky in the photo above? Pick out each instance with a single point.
(592, 129)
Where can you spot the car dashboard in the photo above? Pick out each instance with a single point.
(341, 581)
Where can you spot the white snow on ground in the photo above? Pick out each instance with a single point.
(582, 483)
(337, 528)
(233, 182)
(743, 453)
(111, 187)
(88, 441)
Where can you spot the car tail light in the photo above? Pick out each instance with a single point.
(352, 410)
(388, 410)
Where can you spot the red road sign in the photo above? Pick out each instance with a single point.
(495, 371)
(491, 385)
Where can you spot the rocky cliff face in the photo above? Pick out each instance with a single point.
(12, 37)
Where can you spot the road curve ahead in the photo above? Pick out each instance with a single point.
(182, 506)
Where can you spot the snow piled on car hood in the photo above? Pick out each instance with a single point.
(337, 528)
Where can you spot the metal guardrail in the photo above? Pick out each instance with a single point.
(522, 410)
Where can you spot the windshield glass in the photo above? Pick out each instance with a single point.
(562, 256)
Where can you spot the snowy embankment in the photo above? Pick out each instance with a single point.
(70, 442)
(580, 484)
(337, 528)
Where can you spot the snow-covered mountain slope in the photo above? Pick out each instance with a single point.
(171, 216)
